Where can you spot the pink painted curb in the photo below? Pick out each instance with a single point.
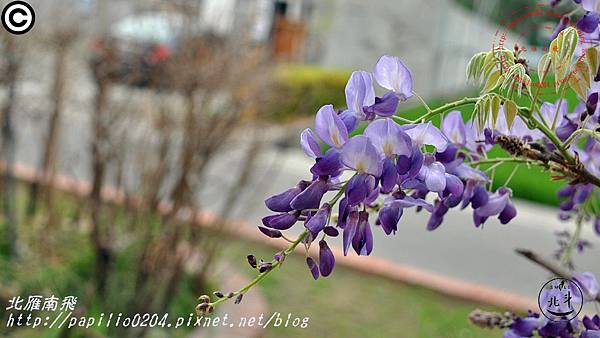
(399, 272)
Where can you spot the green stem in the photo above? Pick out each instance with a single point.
(260, 277)
(566, 257)
(502, 160)
(423, 102)
(537, 92)
(562, 94)
(440, 110)
(578, 132)
(512, 174)
(275, 263)
(552, 137)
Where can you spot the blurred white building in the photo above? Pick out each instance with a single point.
(435, 38)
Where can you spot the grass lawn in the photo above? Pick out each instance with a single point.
(353, 304)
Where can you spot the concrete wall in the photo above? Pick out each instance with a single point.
(436, 38)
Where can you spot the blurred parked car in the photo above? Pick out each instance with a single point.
(146, 50)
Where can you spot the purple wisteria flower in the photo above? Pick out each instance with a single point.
(426, 134)
(591, 5)
(589, 285)
(454, 128)
(498, 204)
(359, 93)
(592, 327)
(391, 73)
(360, 154)
(386, 169)
(362, 104)
(588, 23)
(370, 167)
(330, 128)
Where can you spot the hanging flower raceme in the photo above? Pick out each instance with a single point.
(371, 166)
(388, 168)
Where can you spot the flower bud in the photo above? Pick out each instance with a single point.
(312, 266)
(480, 197)
(311, 197)
(204, 309)
(281, 201)
(389, 217)
(588, 23)
(280, 257)
(331, 231)
(508, 213)
(327, 165)
(592, 103)
(270, 232)
(264, 267)
(326, 259)
(281, 221)
(252, 261)
(316, 223)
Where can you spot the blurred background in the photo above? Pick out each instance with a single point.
(122, 118)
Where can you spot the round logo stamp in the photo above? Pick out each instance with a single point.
(18, 17)
(560, 299)
(514, 33)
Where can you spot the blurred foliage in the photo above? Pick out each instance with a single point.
(60, 262)
(300, 90)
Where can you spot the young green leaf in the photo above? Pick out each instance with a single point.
(492, 82)
(510, 111)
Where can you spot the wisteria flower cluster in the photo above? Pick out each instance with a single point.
(371, 165)
(388, 168)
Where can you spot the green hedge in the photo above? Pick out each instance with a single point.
(299, 91)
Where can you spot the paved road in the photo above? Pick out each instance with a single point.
(456, 249)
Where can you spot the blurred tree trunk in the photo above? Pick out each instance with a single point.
(102, 251)
(8, 147)
(181, 190)
(48, 163)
